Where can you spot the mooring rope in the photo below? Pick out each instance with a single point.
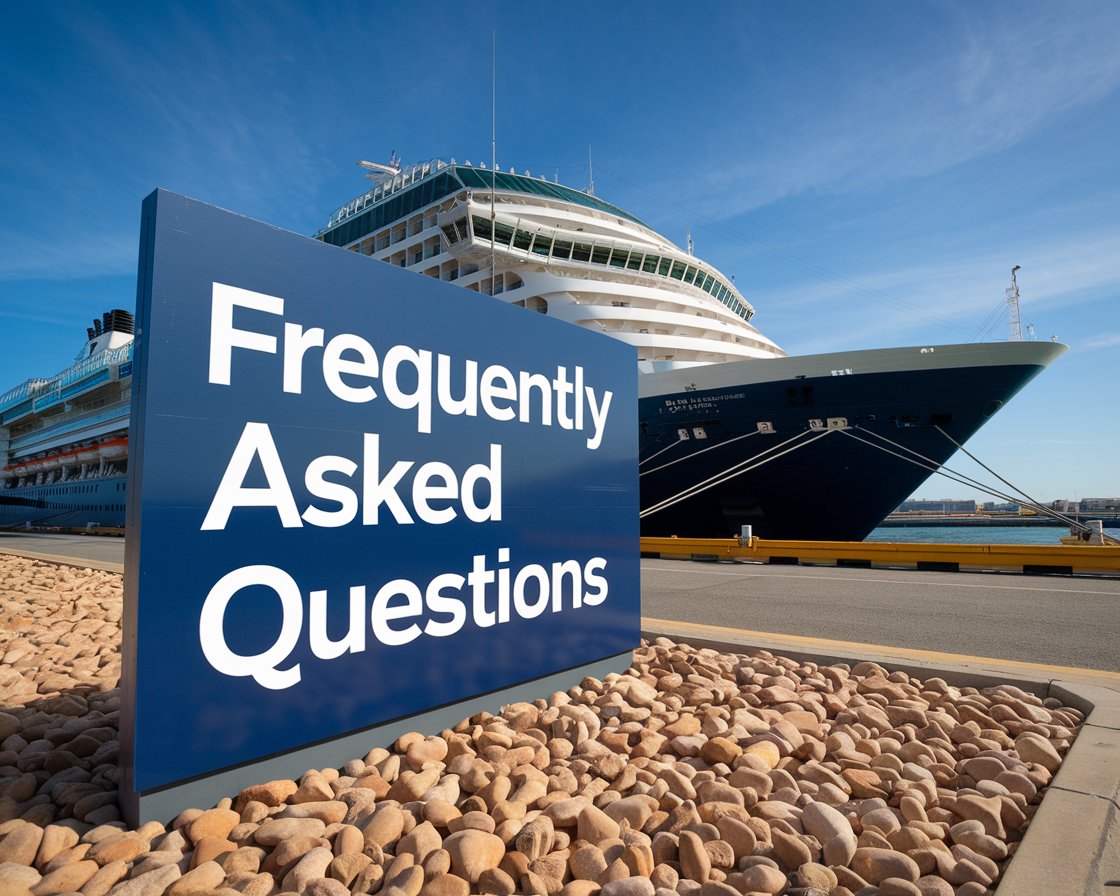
(964, 479)
(734, 471)
(694, 453)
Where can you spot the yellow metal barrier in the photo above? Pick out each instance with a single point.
(1066, 559)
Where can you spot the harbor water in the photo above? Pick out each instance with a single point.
(1045, 535)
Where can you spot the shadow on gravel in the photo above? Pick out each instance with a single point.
(59, 758)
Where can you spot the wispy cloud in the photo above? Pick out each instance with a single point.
(179, 112)
(1002, 77)
(1105, 340)
(946, 300)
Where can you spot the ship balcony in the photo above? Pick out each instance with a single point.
(79, 426)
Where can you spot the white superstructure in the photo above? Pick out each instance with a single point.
(557, 251)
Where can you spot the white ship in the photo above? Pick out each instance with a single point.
(733, 431)
(64, 438)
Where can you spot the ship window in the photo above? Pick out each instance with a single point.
(618, 258)
(542, 245)
(708, 281)
(562, 249)
(581, 252)
(664, 266)
(600, 254)
(503, 234)
(635, 262)
(522, 240)
(690, 274)
(649, 265)
(449, 232)
(678, 270)
(481, 228)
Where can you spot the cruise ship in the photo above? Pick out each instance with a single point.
(64, 439)
(733, 431)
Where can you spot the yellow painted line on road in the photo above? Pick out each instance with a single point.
(925, 656)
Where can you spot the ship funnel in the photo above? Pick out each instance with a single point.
(118, 321)
(90, 334)
(96, 327)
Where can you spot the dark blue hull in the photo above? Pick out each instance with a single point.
(830, 484)
(835, 487)
(65, 504)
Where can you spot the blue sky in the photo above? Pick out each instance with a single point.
(868, 172)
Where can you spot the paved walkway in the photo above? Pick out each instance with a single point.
(104, 552)
(1050, 620)
(1055, 621)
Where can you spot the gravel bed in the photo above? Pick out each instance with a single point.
(696, 773)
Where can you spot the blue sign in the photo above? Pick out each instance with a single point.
(356, 493)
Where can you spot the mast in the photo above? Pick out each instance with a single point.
(590, 173)
(1013, 308)
(493, 145)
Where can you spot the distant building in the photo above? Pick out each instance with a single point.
(1087, 505)
(1005, 507)
(944, 506)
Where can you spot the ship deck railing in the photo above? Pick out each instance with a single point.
(25, 442)
(21, 392)
(46, 392)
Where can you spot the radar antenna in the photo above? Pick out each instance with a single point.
(380, 173)
(1013, 308)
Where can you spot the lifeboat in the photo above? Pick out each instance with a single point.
(86, 455)
(113, 449)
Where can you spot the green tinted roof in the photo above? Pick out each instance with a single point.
(480, 179)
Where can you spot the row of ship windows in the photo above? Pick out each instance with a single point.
(100, 508)
(78, 489)
(612, 256)
(400, 206)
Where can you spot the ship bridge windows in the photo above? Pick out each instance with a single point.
(481, 228)
(549, 246)
(481, 180)
(401, 205)
(456, 231)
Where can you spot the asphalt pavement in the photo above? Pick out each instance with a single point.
(1052, 620)
(1049, 620)
(104, 551)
